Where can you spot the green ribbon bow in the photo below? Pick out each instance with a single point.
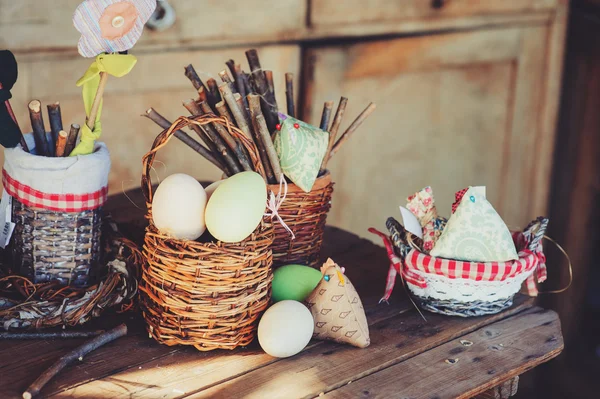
(117, 65)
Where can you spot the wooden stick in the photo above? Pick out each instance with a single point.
(335, 126)
(185, 138)
(267, 142)
(225, 76)
(269, 76)
(202, 96)
(61, 143)
(240, 102)
(72, 139)
(352, 128)
(223, 111)
(254, 101)
(97, 101)
(289, 94)
(39, 130)
(324, 125)
(213, 88)
(239, 76)
(192, 75)
(237, 113)
(217, 144)
(237, 147)
(76, 354)
(262, 88)
(55, 119)
(17, 335)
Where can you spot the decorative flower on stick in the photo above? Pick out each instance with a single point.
(111, 26)
(107, 27)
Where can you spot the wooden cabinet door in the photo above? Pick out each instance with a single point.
(453, 110)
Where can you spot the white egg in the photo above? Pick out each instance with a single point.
(178, 207)
(285, 328)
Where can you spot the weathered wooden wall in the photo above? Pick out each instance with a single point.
(466, 91)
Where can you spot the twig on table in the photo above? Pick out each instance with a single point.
(76, 354)
(17, 335)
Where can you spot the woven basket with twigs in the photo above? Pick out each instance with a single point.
(306, 215)
(206, 294)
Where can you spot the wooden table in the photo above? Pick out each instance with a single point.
(445, 357)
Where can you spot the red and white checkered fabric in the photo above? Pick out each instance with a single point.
(54, 202)
(475, 271)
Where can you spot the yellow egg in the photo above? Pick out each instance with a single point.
(178, 207)
(210, 189)
(236, 207)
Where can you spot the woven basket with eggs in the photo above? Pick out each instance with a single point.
(205, 289)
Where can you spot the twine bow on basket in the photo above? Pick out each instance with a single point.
(274, 203)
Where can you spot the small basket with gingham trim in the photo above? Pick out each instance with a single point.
(462, 288)
(56, 207)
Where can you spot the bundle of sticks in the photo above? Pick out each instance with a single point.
(247, 100)
(56, 143)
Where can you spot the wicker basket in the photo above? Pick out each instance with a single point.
(306, 215)
(57, 211)
(61, 246)
(205, 294)
(466, 289)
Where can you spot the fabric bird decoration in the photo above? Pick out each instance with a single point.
(337, 309)
(10, 134)
(475, 232)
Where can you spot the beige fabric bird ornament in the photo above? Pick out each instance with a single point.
(337, 309)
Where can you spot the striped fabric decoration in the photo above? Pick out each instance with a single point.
(87, 20)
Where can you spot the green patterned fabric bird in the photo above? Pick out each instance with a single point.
(301, 148)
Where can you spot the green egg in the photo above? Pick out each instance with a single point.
(294, 282)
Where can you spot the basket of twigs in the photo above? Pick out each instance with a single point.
(292, 155)
(205, 293)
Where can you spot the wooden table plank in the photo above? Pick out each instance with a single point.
(504, 350)
(186, 370)
(329, 366)
(109, 364)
